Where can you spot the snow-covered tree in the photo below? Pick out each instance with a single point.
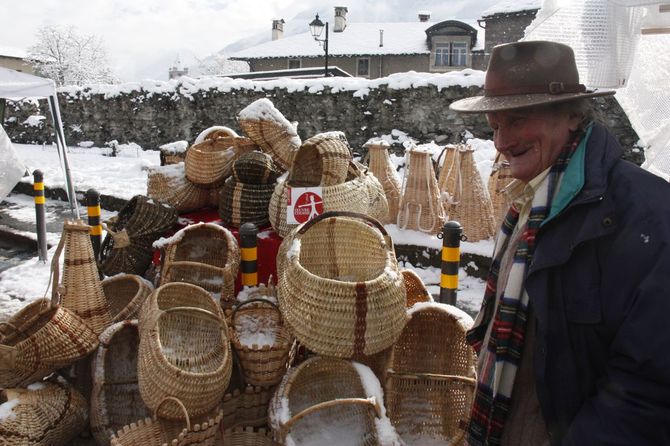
(220, 64)
(70, 58)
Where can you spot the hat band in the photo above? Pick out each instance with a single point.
(551, 88)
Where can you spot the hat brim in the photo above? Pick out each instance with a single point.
(485, 104)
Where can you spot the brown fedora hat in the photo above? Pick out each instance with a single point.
(523, 74)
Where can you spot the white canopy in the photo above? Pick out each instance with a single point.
(15, 85)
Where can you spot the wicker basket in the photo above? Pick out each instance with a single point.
(256, 168)
(322, 160)
(447, 163)
(324, 398)
(361, 193)
(469, 204)
(126, 294)
(382, 168)
(115, 399)
(40, 339)
(204, 254)
(184, 350)
(340, 291)
(80, 289)
(420, 207)
(271, 131)
(168, 184)
(262, 365)
(500, 178)
(248, 436)
(46, 414)
(416, 290)
(213, 132)
(173, 153)
(158, 432)
(430, 384)
(209, 163)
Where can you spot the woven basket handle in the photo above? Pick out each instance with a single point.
(371, 402)
(434, 376)
(258, 299)
(196, 309)
(180, 404)
(55, 272)
(329, 214)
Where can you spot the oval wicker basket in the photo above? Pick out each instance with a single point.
(40, 339)
(262, 365)
(159, 432)
(256, 168)
(168, 184)
(45, 414)
(324, 398)
(209, 163)
(245, 203)
(115, 398)
(322, 160)
(431, 380)
(126, 294)
(340, 291)
(184, 350)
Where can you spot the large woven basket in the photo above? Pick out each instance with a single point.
(262, 364)
(271, 131)
(324, 398)
(45, 414)
(116, 399)
(322, 160)
(499, 179)
(382, 168)
(469, 202)
(416, 290)
(126, 294)
(430, 384)
(168, 184)
(184, 350)
(420, 207)
(158, 432)
(361, 193)
(204, 254)
(213, 132)
(340, 291)
(40, 339)
(208, 163)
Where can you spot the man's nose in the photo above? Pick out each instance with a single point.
(504, 139)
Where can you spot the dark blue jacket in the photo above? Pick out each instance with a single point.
(600, 287)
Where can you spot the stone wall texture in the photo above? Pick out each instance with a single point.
(150, 119)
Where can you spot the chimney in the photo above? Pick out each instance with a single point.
(277, 29)
(340, 19)
(381, 38)
(424, 16)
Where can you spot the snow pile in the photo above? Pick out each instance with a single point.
(7, 409)
(34, 121)
(174, 147)
(255, 331)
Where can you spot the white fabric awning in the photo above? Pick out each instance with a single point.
(17, 85)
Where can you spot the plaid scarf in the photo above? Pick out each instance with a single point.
(499, 360)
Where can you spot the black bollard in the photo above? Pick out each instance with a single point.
(40, 214)
(93, 207)
(451, 258)
(249, 254)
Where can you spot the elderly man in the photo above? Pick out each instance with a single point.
(572, 332)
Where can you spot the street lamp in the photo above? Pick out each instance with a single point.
(316, 28)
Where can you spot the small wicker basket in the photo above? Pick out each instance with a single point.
(209, 163)
(126, 294)
(168, 184)
(322, 160)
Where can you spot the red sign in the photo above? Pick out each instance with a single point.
(307, 206)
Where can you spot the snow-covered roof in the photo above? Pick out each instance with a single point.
(511, 6)
(12, 52)
(357, 39)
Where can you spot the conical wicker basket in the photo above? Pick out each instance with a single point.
(361, 193)
(470, 204)
(40, 339)
(416, 290)
(126, 294)
(324, 398)
(322, 160)
(262, 365)
(115, 398)
(80, 289)
(45, 414)
(209, 163)
(168, 184)
(184, 350)
(499, 179)
(271, 131)
(420, 207)
(431, 381)
(204, 254)
(158, 432)
(382, 168)
(340, 291)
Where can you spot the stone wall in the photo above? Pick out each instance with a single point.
(151, 118)
(506, 28)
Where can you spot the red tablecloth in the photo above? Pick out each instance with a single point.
(268, 243)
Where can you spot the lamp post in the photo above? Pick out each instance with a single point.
(316, 28)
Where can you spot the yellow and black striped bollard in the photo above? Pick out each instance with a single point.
(451, 258)
(40, 214)
(93, 208)
(249, 254)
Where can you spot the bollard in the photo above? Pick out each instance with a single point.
(93, 206)
(249, 254)
(40, 214)
(451, 257)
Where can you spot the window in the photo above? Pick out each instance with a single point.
(363, 67)
(452, 54)
(294, 63)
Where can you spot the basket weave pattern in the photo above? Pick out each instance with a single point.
(279, 141)
(382, 168)
(126, 294)
(168, 184)
(420, 207)
(208, 163)
(322, 160)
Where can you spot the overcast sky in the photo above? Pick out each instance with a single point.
(143, 37)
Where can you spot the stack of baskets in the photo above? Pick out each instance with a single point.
(245, 196)
(204, 254)
(127, 248)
